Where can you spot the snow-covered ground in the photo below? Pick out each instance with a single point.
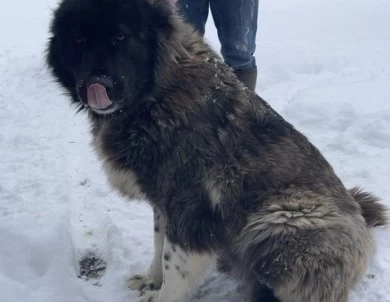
(324, 65)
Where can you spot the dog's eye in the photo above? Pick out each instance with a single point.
(120, 37)
(79, 39)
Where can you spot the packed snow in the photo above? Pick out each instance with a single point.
(324, 65)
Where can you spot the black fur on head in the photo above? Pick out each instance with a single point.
(112, 43)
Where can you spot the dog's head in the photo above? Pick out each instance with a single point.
(104, 51)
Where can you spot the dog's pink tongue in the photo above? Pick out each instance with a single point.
(97, 96)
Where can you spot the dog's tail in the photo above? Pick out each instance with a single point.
(373, 212)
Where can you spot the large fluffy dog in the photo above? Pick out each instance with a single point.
(228, 178)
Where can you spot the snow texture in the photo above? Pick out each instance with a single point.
(65, 236)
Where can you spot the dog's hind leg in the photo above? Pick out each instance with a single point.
(309, 266)
(182, 270)
(305, 251)
(153, 278)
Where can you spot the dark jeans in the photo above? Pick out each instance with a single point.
(236, 22)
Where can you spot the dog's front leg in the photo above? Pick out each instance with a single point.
(153, 279)
(182, 270)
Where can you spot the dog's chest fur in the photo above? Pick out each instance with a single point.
(123, 179)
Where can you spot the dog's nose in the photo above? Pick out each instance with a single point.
(106, 81)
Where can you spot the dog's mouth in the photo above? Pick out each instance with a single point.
(98, 100)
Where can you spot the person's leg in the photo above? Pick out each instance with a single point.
(194, 12)
(236, 22)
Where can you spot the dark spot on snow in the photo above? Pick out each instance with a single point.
(92, 267)
(85, 183)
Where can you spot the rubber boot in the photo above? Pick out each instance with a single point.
(248, 77)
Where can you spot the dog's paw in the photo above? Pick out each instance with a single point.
(143, 283)
(137, 282)
(149, 296)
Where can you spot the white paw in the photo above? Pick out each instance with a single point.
(149, 296)
(143, 283)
